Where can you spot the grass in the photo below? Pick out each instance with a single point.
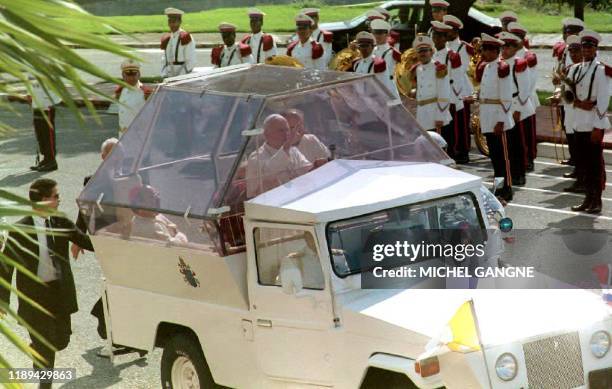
(280, 18)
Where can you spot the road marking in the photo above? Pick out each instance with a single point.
(598, 217)
(581, 195)
(486, 169)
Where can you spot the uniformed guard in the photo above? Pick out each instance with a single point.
(392, 56)
(571, 27)
(262, 44)
(530, 126)
(565, 96)
(452, 61)
(369, 63)
(507, 17)
(495, 98)
(439, 8)
(590, 119)
(130, 100)
(462, 87)
(432, 87)
(305, 49)
(322, 37)
(178, 47)
(384, 13)
(522, 107)
(231, 52)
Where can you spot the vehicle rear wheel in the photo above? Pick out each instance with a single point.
(183, 365)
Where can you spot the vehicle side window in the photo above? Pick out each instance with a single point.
(275, 247)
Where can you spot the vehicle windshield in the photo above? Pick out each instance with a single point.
(355, 243)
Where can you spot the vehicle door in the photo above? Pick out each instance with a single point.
(291, 303)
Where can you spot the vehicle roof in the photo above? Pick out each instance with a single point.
(346, 188)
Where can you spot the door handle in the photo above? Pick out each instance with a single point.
(264, 323)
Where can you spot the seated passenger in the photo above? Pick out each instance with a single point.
(308, 144)
(277, 161)
(150, 223)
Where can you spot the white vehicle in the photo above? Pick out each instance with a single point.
(254, 281)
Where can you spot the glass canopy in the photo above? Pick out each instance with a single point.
(202, 145)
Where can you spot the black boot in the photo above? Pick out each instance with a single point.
(595, 206)
(505, 193)
(585, 204)
(47, 166)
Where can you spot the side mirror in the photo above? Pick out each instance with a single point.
(498, 182)
(291, 276)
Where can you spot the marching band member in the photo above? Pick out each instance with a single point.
(380, 30)
(571, 27)
(322, 37)
(507, 17)
(130, 100)
(575, 53)
(230, 53)
(590, 119)
(432, 87)
(178, 47)
(452, 61)
(369, 63)
(495, 108)
(522, 108)
(439, 9)
(305, 49)
(383, 12)
(262, 44)
(463, 86)
(530, 127)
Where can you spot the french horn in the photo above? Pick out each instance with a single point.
(404, 79)
(284, 60)
(343, 61)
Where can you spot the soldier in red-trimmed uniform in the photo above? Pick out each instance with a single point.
(262, 44)
(452, 61)
(178, 47)
(305, 49)
(592, 97)
(231, 53)
(369, 63)
(506, 18)
(322, 37)
(130, 100)
(462, 86)
(380, 30)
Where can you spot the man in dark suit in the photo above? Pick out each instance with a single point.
(45, 255)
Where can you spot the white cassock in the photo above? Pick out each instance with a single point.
(312, 148)
(258, 48)
(268, 168)
(178, 58)
(495, 99)
(433, 97)
(592, 85)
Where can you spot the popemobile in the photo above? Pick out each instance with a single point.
(234, 222)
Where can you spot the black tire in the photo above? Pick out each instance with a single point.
(183, 345)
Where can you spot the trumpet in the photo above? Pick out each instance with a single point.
(566, 87)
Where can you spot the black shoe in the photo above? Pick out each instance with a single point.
(47, 167)
(463, 160)
(571, 174)
(575, 188)
(505, 194)
(519, 181)
(582, 207)
(595, 206)
(569, 162)
(530, 166)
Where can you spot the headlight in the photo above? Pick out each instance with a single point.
(600, 344)
(506, 367)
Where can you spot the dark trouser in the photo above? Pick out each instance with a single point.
(55, 330)
(45, 133)
(450, 134)
(571, 138)
(517, 149)
(529, 125)
(590, 164)
(496, 154)
(464, 139)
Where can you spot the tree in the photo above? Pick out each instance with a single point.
(579, 9)
(33, 45)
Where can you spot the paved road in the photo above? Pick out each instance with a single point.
(152, 62)
(539, 205)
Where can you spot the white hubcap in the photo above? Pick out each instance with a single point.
(184, 374)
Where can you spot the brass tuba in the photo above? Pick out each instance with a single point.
(343, 61)
(284, 60)
(403, 77)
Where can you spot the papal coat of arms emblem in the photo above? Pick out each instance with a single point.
(189, 275)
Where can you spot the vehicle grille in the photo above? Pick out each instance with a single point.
(555, 362)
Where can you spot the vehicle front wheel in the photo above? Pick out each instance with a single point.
(183, 365)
